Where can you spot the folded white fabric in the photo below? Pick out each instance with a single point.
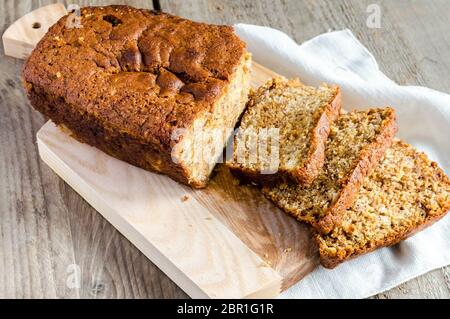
(424, 121)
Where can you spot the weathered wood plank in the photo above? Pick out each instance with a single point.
(33, 224)
(409, 57)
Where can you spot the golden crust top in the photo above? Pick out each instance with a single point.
(138, 71)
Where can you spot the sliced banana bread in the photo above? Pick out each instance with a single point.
(356, 144)
(143, 86)
(406, 193)
(302, 116)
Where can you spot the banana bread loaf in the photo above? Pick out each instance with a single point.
(147, 87)
(404, 194)
(356, 143)
(302, 116)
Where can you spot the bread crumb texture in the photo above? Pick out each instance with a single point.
(406, 192)
(350, 135)
(294, 111)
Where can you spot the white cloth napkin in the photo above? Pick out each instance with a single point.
(424, 120)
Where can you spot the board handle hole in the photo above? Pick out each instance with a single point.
(36, 25)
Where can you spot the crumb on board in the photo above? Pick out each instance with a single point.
(208, 218)
(266, 262)
(184, 198)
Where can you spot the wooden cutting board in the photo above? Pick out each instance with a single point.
(225, 241)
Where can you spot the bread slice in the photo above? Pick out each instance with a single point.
(303, 115)
(406, 193)
(356, 144)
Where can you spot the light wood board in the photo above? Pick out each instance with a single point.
(225, 241)
(23, 35)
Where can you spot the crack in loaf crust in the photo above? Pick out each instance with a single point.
(404, 194)
(303, 115)
(355, 146)
(129, 78)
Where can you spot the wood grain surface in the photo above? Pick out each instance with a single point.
(48, 232)
(224, 241)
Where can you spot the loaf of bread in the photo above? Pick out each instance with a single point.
(356, 143)
(146, 87)
(404, 194)
(299, 118)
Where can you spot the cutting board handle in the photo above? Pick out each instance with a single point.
(22, 36)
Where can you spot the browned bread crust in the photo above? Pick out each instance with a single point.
(369, 158)
(130, 79)
(403, 172)
(276, 91)
(323, 203)
(316, 155)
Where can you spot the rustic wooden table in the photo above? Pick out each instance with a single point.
(49, 234)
